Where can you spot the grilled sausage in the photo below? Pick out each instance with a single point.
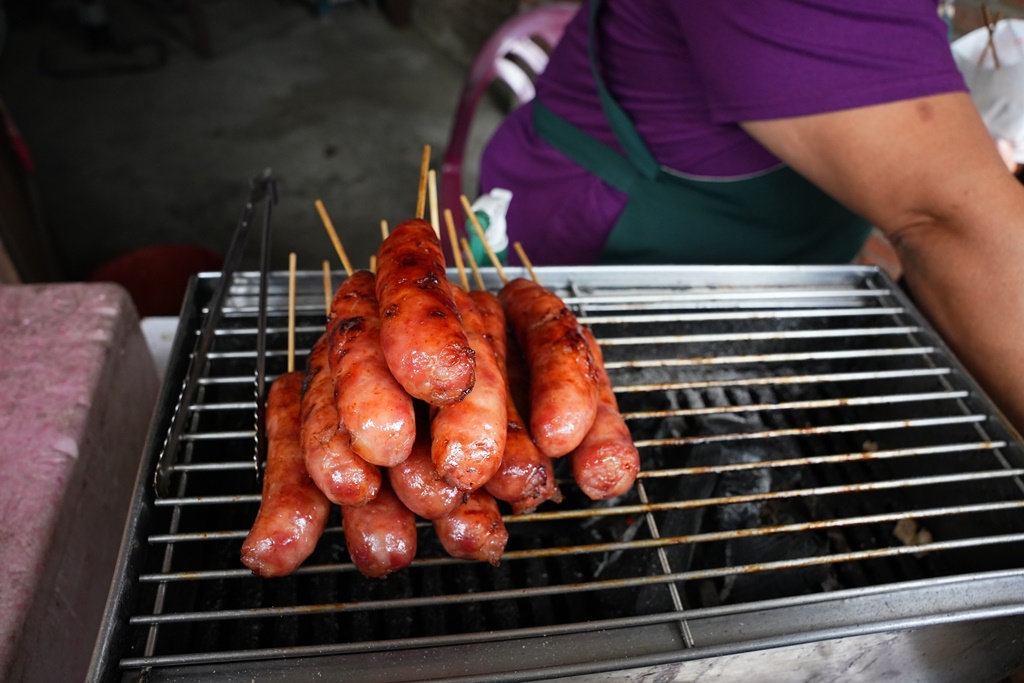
(418, 485)
(606, 464)
(474, 530)
(468, 437)
(344, 477)
(526, 477)
(518, 377)
(563, 382)
(421, 332)
(293, 511)
(371, 404)
(381, 535)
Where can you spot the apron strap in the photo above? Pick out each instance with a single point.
(625, 132)
(590, 153)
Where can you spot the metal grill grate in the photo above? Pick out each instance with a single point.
(809, 447)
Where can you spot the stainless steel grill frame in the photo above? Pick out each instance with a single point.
(836, 403)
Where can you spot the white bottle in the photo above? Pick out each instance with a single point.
(491, 210)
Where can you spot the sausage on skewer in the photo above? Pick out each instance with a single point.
(474, 530)
(418, 485)
(606, 463)
(468, 437)
(563, 380)
(526, 477)
(293, 511)
(381, 535)
(373, 407)
(344, 477)
(518, 377)
(421, 331)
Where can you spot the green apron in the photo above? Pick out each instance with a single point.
(771, 217)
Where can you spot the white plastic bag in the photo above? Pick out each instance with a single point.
(998, 92)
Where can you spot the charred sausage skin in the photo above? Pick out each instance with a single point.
(344, 477)
(418, 485)
(474, 530)
(293, 511)
(526, 477)
(381, 535)
(518, 376)
(563, 379)
(374, 408)
(468, 437)
(421, 332)
(606, 463)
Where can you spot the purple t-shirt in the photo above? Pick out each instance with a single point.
(686, 72)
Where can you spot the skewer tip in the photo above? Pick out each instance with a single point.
(421, 196)
(435, 221)
(472, 263)
(453, 240)
(526, 261)
(495, 261)
(333, 234)
(292, 261)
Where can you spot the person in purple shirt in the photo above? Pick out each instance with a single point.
(677, 131)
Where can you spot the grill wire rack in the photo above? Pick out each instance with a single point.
(820, 477)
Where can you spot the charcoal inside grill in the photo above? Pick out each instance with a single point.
(723, 518)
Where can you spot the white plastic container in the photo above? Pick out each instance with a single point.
(491, 210)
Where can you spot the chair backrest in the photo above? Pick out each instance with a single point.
(516, 54)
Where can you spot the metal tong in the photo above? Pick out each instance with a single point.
(262, 189)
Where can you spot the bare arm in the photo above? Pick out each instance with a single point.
(926, 172)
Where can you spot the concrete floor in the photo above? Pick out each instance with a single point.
(338, 107)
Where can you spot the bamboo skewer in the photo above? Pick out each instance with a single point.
(328, 288)
(483, 238)
(472, 264)
(329, 226)
(432, 190)
(526, 261)
(291, 312)
(373, 265)
(328, 291)
(421, 196)
(456, 251)
(384, 232)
